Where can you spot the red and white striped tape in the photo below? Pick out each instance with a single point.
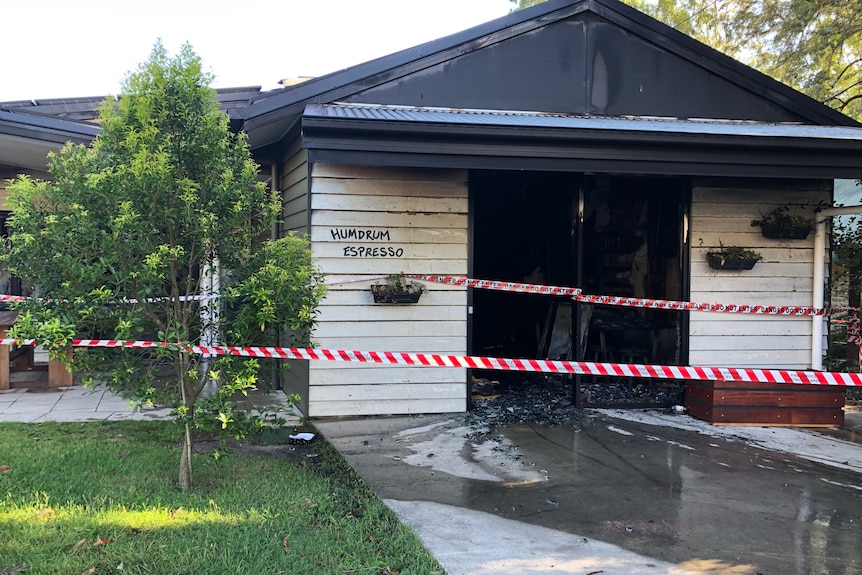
(5, 297)
(631, 301)
(502, 364)
(201, 297)
(497, 285)
(714, 307)
(577, 294)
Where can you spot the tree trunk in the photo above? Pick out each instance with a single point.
(185, 477)
(186, 460)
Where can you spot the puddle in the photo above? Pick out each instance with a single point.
(457, 452)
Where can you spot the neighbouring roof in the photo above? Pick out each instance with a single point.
(86, 109)
(26, 139)
(29, 129)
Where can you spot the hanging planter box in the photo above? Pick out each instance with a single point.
(719, 261)
(777, 232)
(782, 223)
(385, 294)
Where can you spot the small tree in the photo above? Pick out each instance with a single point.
(164, 207)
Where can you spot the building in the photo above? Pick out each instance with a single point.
(578, 143)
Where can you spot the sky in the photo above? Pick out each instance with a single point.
(82, 48)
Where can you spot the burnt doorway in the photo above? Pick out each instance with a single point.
(609, 235)
(523, 230)
(632, 244)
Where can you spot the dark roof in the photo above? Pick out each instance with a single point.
(492, 139)
(26, 139)
(268, 116)
(48, 128)
(86, 109)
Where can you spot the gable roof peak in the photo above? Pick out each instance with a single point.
(366, 80)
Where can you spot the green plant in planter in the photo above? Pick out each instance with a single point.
(733, 258)
(397, 290)
(781, 223)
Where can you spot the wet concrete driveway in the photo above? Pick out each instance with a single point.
(604, 494)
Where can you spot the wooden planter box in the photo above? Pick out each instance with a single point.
(717, 262)
(784, 233)
(773, 404)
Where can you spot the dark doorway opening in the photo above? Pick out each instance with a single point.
(523, 231)
(632, 245)
(609, 235)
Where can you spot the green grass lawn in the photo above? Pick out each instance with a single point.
(99, 498)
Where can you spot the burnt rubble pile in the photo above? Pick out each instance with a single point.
(545, 400)
(631, 393)
(537, 399)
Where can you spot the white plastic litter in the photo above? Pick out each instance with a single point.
(302, 436)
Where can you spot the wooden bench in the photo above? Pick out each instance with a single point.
(23, 359)
(767, 404)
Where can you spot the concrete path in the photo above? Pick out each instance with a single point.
(74, 403)
(618, 493)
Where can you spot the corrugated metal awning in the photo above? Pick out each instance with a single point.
(505, 139)
(511, 118)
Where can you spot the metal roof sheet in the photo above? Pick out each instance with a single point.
(522, 119)
(17, 123)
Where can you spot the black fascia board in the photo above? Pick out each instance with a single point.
(598, 164)
(627, 151)
(46, 129)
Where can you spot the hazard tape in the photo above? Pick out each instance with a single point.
(540, 365)
(730, 374)
(6, 297)
(576, 293)
(671, 305)
(497, 285)
(713, 307)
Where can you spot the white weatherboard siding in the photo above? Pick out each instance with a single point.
(722, 214)
(293, 182)
(370, 221)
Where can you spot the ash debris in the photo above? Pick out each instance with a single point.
(636, 393)
(536, 399)
(500, 399)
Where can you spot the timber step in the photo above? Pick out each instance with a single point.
(738, 403)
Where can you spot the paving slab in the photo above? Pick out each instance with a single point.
(79, 403)
(468, 542)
